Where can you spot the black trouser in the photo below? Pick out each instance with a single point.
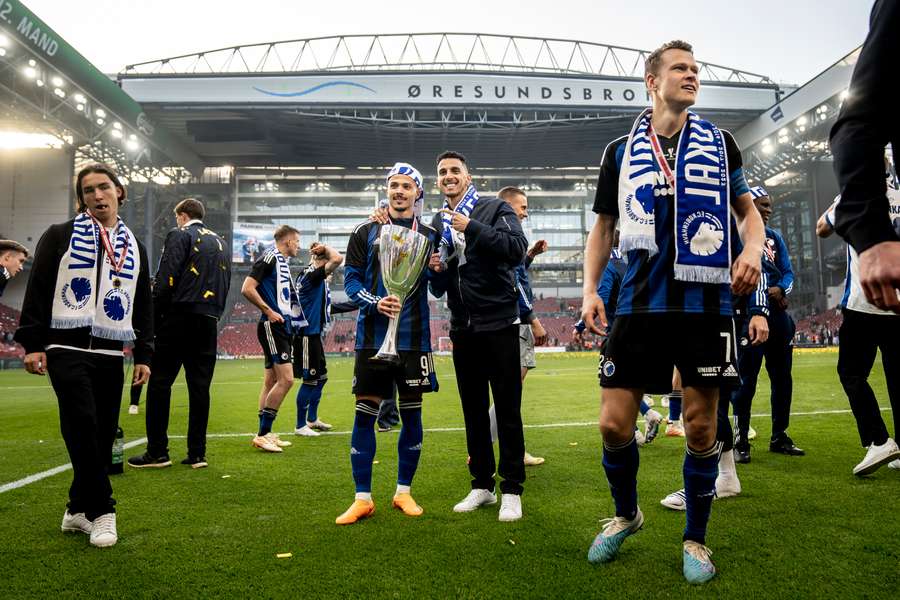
(88, 389)
(483, 359)
(189, 340)
(778, 352)
(136, 394)
(861, 335)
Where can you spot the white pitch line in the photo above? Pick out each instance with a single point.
(6, 487)
(62, 468)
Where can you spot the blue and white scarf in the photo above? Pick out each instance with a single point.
(702, 199)
(288, 300)
(454, 242)
(78, 296)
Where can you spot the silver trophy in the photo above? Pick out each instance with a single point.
(403, 254)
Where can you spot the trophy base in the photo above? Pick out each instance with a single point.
(384, 358)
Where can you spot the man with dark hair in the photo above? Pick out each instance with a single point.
(309, 353)
(88, 294)
(531, 331)
(12, 258)
(777, 350)
(270, 288)
(189, 293)
(868, 122)
(481, 245)
(413, 375)
(674, 172)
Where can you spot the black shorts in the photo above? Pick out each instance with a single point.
(309, 358)
(414, 375)
(275, 342)
(642, 350)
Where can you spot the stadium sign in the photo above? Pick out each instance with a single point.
(434, 89)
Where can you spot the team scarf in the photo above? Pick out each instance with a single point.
(702, 198)
(288, 300)
(454, 242)
(79, 293)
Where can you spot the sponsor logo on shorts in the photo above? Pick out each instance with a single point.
(312, 372)
(425, 381)
(730, 371)
(284, 356)
(709, 371)
(609, 368)
(412, 382)
(744, 341)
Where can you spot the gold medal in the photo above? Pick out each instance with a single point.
(117, 282)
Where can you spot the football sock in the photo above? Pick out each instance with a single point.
(701, 467)
(644, 407)
(621, 466)
(409, 444)
(316, 395)
(303, 397)
(362, 446)
(266, 419)
(674, 405)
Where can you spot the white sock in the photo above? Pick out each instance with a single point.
(402, 489)
(726, 464)
(364, 496)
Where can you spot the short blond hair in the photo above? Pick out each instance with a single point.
(654, 61)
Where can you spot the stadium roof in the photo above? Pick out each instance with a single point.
(367, 100)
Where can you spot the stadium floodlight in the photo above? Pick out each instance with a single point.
(132, 145)
(117, 125)
(4, 41)
(132, 137)
(32, 62)
(100, 121)
(59, 92)
(116, 133)
(30, 72)
(79, 107)
(801, 121)
(844, 95)
(79, 98)
(39, 83)
(2, 51)
(57, 81)
(18, 140)
(100, 113)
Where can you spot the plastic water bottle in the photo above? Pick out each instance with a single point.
(116, 463)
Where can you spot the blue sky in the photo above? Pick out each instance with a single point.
(788, 40)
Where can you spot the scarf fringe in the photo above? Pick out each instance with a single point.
(120, 335)
(72, 323)
(638, 242)
(700, 274)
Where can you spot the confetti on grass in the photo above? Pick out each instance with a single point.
(284, 555)
(225, 476)
(573, 443)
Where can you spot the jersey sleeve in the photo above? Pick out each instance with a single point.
(606, 198)
(355, 271)
(739, 185)
(312, 276)
(262, 269)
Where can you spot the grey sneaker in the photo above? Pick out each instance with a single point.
(77, 523)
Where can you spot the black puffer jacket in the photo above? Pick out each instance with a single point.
(482, 293)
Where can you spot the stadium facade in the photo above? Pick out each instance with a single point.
(300, 131)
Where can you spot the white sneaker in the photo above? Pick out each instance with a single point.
(306, 431)
(77, 523)
(727, 485)
(675, 500)
(476, 499)
(273, 437)
(639, 437)
(894, 464)
(132, 409)
(877, 456)
(532, 461)
(103, 533)
(319, 425)
(652, 422)
(264, 443)
(510, 507)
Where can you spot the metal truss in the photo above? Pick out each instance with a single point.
(457, 119)
(425, 52)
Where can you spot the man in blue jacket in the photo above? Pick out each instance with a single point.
(777, 350)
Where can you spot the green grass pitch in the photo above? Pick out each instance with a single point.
(803, 527)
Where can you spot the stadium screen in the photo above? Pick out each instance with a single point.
(250, 241)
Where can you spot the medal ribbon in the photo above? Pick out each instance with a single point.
(107, 245)
(657, 152)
